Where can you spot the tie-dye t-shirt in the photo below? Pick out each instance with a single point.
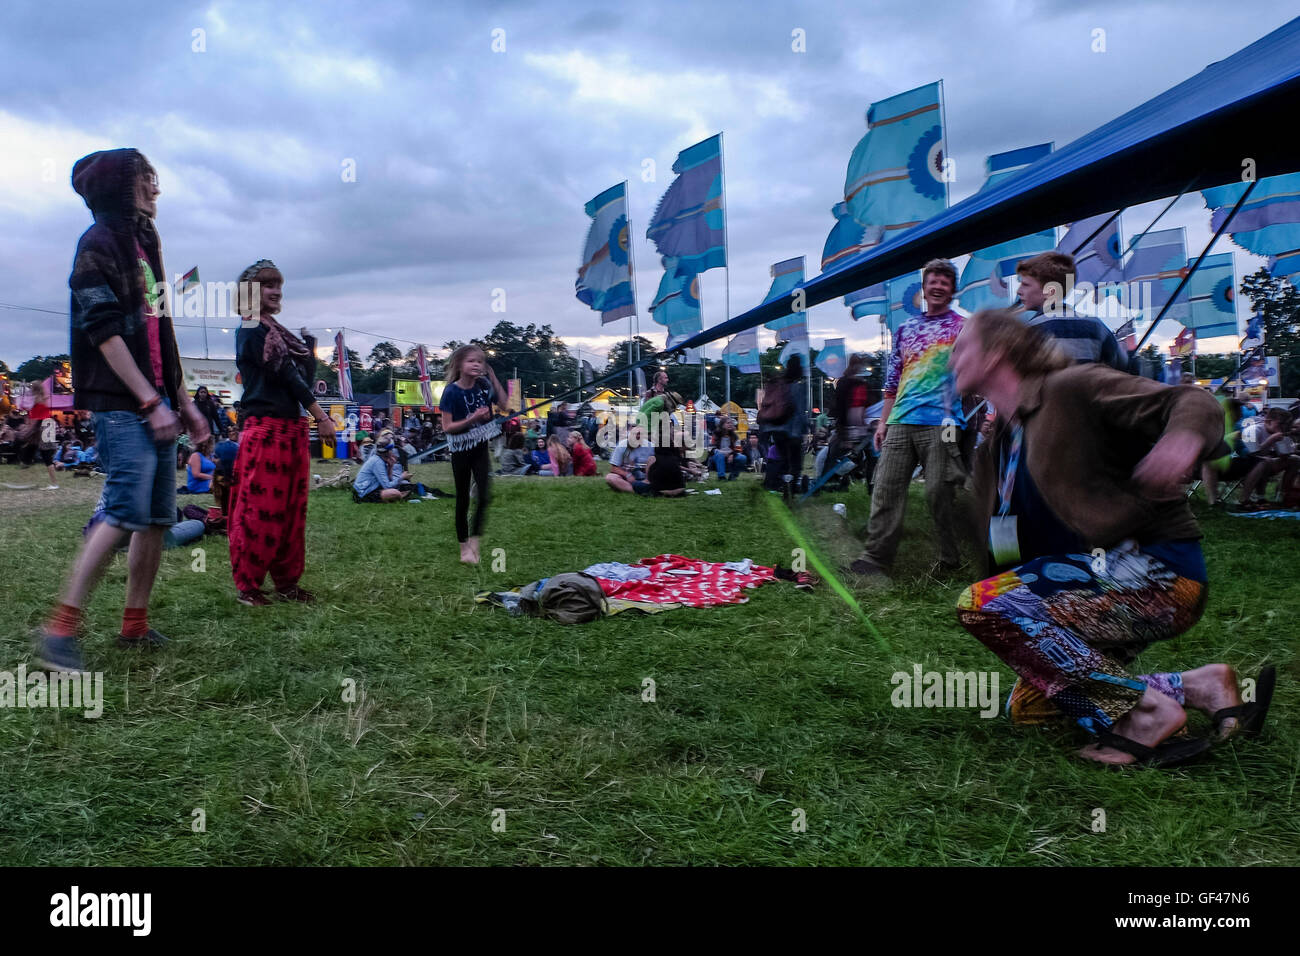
(919, 380)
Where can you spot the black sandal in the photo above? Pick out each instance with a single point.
(1175, 750)
(1250, 717)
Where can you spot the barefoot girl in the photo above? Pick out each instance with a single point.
(466, 407)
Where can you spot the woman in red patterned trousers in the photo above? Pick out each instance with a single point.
(268, 514)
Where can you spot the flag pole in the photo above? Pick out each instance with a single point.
(726, 258)
(633, 353)
(1197, 264)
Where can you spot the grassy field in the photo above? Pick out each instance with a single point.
(762, 710)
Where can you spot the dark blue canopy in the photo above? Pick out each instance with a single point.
(1196, 135)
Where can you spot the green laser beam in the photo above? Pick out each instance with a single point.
(786, 520)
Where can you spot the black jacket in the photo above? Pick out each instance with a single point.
(107, 283)
(269, 393)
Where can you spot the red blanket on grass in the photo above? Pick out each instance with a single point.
(677, 580)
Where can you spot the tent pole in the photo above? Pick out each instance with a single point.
(1195, 265)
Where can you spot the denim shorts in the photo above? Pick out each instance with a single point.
(140, 489)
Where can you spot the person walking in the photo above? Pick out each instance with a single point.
(127, 370)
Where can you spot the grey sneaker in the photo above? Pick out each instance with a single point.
(149, 641)
(59, 653)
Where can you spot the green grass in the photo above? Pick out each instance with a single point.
(780, 704)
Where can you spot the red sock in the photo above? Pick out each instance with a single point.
(134, 623)
(64, 622)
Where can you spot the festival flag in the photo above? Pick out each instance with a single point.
(831, 359)
(345, 369)
(605, 277)
(1099, 258)
(896, 176)
(689, 225)
(983, 280)
(905, 300)
(798, 342)
(588, 372)
(847, 237)
(422, 366)
(1268, 223)
(873, 300)
(1184, 343)
(742, 352)
(786, 277)
(676, 304)
(190, 280)
(1211, 307)
(1153, 271)
(1254, 332)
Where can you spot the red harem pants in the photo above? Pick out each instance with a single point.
(268, 517)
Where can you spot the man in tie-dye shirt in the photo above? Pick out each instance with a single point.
(921, 423)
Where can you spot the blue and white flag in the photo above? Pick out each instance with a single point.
(847, 238)
(983, 282)
(605, 276)
(873, 300)
(1212, 308)
(1268, 223)
(831, 359)
(1099, 258)
(1156, 265)
(896, 177)
(677, 303)
(742, 352)
(786, 277)
(905, 300)
(690, 225)
(798, 344)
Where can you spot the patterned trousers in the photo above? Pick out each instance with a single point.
(268, 514)
(1068, 624)
(904, 448)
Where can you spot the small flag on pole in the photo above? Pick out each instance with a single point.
(1184, 344)
(422, 364)
(345, 371)
(190, 280)
(831, 359)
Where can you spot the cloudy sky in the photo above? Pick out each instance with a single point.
(472, 165)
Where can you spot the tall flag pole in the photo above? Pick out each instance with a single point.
(726, 255)
(633, 320)
(688, 228)
(605, 277)
(191, 281)
(345, 370)
(422, 365)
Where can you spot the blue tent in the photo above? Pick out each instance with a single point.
(1193, 136)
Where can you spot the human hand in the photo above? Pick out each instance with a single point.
(325, 428)
(195, 423)
(164, 425)
(1168, 464)
(880, 435)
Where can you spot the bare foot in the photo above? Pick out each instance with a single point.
(474, 548)
(467, 555)
(1153, 720)
(1212, 688)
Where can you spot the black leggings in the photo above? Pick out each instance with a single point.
(475, 463)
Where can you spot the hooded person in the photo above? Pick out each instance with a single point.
(126, 369)
(268, 516)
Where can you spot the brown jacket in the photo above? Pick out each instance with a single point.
(1086, 429)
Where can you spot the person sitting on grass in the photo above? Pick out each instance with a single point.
(629, 461)
(539, 457)
(382, 478)
(728, 458)
(514, 460)
(665, 477)
(584, 463)
(1094, 547)
(561, 460)
(200, 469)
(1273, 455)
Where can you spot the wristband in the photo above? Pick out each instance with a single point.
(147, 407)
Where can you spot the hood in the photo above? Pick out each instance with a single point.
(106, 181)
